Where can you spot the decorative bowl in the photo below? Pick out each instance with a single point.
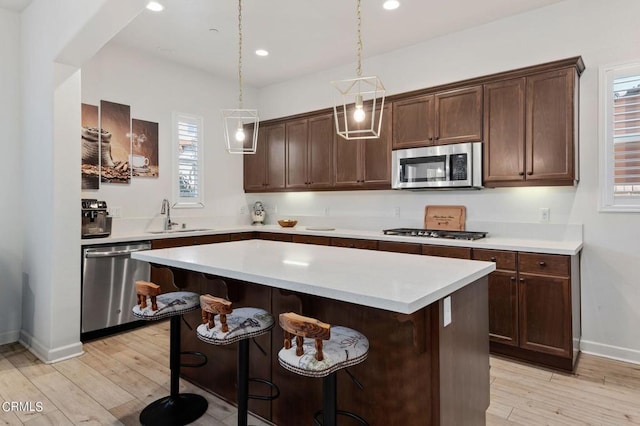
(287, 223)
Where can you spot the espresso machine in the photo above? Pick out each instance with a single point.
(96, 222)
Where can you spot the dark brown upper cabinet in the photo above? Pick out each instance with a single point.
(452, 116)
(365, 163)
(309, 152)
(265, 170)
(531, 130)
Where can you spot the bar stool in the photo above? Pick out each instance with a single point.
(177, 408)
(332, 349)
(236, 325)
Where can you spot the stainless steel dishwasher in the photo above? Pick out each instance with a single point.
(108, 286)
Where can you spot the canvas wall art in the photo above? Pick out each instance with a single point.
(115, 142)
(144, 152)
(90, 147)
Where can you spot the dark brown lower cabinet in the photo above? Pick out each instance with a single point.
(503, 295)
(446, 251)
(312, 239)
(534, 309)
(355, 243)
(409, 248)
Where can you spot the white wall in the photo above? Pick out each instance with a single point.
(154, 88)
(10, 188)
(64, 31)
(602, 32)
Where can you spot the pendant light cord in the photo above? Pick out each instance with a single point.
(359, 69)
(240, 53)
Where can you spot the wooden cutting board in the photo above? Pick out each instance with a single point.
(445, 218)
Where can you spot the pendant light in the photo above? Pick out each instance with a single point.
(359, 101)
(240, 125)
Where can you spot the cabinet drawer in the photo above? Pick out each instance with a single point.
(273, 236)
(547, 264)
(210, 239)
(240, 236)
(312, 239)
(445, 251)
(355, 243)
(503, 259)
(410, 248)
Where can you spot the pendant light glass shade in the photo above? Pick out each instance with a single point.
(241, 130)
(240, 125)
(359, 102)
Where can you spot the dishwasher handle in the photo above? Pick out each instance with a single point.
(115, 253)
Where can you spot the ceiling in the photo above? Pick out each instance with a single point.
(302, 36)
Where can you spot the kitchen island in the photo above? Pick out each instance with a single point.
(426, 319)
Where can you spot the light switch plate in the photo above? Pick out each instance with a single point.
(447, 311)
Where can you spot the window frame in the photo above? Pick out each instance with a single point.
(607, 199)
(179, 201)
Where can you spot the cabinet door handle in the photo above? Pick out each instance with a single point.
(513, 278)
(493, 258)
(529, 173)
(430, 138)
(521, 280)
(437, 138)
(521, 173)
(542, 263)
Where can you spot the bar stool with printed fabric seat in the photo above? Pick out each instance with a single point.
(177, 408)
(327, 350)
(236, 325)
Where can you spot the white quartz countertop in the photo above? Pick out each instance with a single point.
(396, 282)
(561, 246)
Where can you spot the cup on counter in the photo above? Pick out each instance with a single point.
(138, 161)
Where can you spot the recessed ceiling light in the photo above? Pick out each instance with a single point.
(262, 52)
(155, 6)
(391, 4)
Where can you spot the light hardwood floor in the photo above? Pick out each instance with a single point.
(120, 374)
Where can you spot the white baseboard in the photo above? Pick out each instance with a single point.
(9, 337)
(612, 352)
(49, 356)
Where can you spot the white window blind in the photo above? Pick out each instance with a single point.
(188, 160)
(620, 121)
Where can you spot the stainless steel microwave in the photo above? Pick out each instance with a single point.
(438, 167)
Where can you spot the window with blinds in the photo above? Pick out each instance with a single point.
(188, 159)
(620, 182)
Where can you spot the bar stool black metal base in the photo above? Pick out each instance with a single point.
(328, 416)
(177, 410)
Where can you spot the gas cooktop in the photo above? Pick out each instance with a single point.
(433, 233)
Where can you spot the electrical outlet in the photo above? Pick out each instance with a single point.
(544, 215)
(396, 212)
(446, 320)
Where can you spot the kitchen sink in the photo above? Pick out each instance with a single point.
(172, 231)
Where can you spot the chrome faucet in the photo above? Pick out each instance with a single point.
(166, 209)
